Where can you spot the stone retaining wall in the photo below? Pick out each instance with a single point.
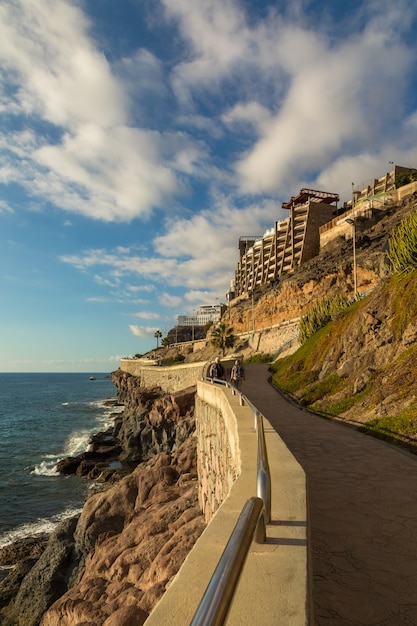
(218, 459)
(170, 379)
(274, 585)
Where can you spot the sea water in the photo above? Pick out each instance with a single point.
(44, 418)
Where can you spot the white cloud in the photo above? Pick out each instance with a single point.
(5, 207)
(169, 300)
(101, 299)
(148, 315)
(120, 172)
(253, 113)
(199, 297)
(142, 331)
(60, 75)
(339, 99)
(136, 288)
(197, 254)
(97, 163)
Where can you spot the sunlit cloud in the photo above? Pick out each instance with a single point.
(98, 299)
(149, 315)
(142, 331)
(169, 300)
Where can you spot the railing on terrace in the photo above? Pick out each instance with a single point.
(251, 524)
(285, 344)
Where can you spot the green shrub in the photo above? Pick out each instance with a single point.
(405, 178)
(403, 246)
(401, 427)
(259, 358)
(404, 302)
(317, 390)
(320, 313)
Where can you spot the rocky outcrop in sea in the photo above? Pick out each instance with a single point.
(112, 563)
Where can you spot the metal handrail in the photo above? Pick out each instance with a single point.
(215, 603)
(251, 525)
(263, 474)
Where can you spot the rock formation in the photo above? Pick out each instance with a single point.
(138, 533)
(112, 563)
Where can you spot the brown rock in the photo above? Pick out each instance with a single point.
(141, 531)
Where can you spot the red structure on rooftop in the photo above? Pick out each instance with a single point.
(311, 194)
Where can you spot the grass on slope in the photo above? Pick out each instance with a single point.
(298, 374)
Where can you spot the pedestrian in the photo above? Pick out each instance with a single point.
(217, 369)
(237, 374)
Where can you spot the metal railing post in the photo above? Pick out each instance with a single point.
(263, 479)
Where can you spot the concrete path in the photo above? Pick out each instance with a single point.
(362, 497)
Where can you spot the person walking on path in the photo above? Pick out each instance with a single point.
(362, 501)
(237, 374)
(217, 370)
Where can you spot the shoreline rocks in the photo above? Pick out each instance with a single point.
(115, 559)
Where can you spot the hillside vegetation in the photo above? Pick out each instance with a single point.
(361, 366)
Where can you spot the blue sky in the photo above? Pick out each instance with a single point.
(140, 138)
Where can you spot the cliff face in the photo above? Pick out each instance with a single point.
(152, 421)
(112, 563)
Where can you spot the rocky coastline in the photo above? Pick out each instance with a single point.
(111, 563)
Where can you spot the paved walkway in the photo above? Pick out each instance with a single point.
(362, 497)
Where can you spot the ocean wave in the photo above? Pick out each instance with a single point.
(47, 467)
(77, 443)
(40, 526)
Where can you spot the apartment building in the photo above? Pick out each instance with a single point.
(288, 244)
(205, 313)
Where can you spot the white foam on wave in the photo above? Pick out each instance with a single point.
(78, 441)
(47, 467)
(38, 527)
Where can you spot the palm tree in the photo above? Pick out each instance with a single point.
(157, 334)
(223, 337)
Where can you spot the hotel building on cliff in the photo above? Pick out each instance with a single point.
(314, 219)
(288, 244)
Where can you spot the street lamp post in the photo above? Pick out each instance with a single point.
(194, 322)
(250, 293)
(355, 286)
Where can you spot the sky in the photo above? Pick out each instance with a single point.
(139, 139)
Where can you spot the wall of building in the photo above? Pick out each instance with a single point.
(365, 212)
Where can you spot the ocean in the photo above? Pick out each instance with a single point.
(43, 418)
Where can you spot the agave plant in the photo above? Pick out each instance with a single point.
(320, 313)
(403, 246)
